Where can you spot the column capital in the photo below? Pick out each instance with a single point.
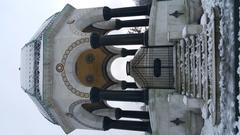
(94, 40)
(94, 95)
(107, 13)
(118, 113)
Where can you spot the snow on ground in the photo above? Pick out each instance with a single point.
(226, 47)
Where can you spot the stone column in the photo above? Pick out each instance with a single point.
(97, 41)
(98, 95)
(128, 68)
(125, 52)
(131, 23)
(125, 85)
(108, 13)
(131, 114)
(126, 125)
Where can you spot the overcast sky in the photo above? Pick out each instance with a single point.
(19, 21)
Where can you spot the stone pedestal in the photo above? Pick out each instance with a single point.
(173, 114)
(191, 29)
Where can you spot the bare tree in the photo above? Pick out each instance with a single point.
(139, 29)
(142, 2)
(135, 30)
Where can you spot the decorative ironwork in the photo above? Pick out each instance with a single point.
(59, 67)
(177, 121)
(153, 68)
(176, 14)
(35, 93)
(63, 73)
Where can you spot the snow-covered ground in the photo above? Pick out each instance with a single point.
(226, 47)
(227, 72)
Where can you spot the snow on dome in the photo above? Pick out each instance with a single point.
(31, 70)
(27, 68)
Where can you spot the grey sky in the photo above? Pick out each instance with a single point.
(19, 21)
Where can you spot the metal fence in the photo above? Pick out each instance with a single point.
(153, 67)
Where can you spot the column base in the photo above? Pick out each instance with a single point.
(126, 125)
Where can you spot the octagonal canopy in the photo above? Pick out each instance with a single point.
(32, 69)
